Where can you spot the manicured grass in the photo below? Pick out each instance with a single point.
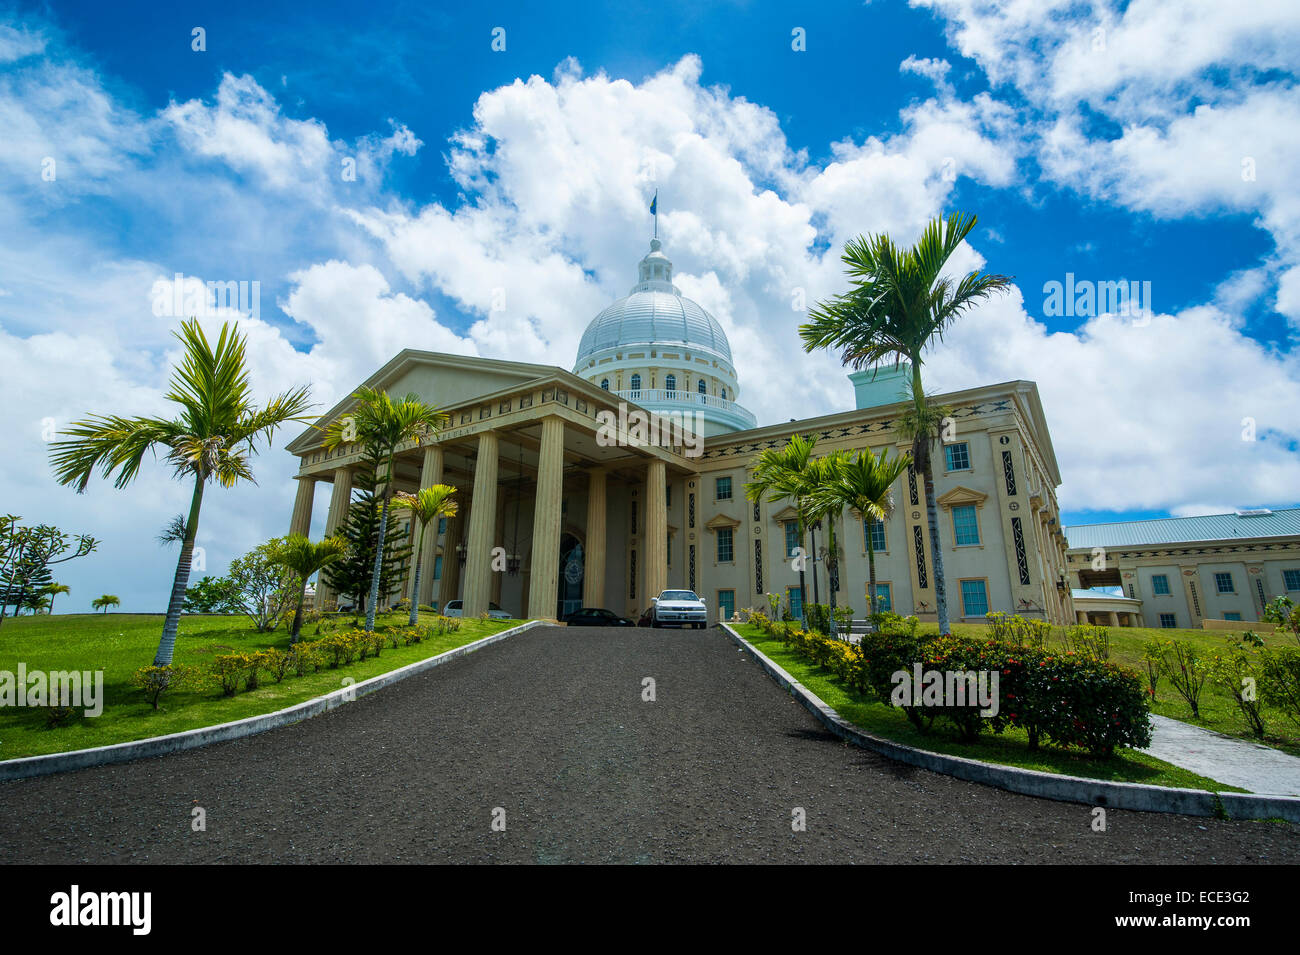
(1219, 711)
(120, 644)
(1011, 748)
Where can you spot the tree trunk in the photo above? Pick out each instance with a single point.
(921, 458)
(297, 617)
(379, 551)
(803, 587)
(181, 581)
(415, 586)
(832, 565)
(871, 575)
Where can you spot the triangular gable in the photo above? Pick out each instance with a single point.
(721, 520)
(962, 495)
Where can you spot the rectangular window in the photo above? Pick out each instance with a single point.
(884, 600)
(974, 598)
(1232, 616)
(437, 567)
(670, 550)
(1291, 579)
(724, 545)
(965, 526)
(1223, 583)
(1160, 585)
(791, 537)
(958, 456)
(722, 489)
(1168, 621)
(796, 602)
(442, 525)
(877, 532)
(726, 604)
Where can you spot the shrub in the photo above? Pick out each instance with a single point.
(1088, 641)
(818, 617)
(1280, 669)
(1235, 671)
(1018, 631)
(229, 670)
(305, 655)
(155, 681)
(1185, 669)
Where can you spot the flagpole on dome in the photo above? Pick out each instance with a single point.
(654, 211)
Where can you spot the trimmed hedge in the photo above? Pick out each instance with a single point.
(1066, 698)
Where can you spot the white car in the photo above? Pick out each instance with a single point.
(678, 608)
(455, 607)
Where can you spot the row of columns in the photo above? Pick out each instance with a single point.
(480, 531)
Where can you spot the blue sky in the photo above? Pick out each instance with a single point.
(1151, 141)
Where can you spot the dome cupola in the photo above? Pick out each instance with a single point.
(663, 351)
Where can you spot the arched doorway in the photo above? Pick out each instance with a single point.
(572, 572)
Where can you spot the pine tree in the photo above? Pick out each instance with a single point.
(351, 576)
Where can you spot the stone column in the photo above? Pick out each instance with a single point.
(340, 499)
(450, 582)
(482, 523)
(656, 529)
(544, 582)
(300, 523)
(430, 474)
(593, 584)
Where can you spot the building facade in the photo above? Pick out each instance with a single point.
(567, 499)
(1189, 572)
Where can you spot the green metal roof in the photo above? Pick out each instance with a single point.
(1284, 522)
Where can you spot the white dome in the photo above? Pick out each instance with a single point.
(655, 313)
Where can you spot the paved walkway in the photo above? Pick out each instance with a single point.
(1236, 762)
(551, 728)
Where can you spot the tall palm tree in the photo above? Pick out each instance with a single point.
(104, 602)
(214, 434)
(865, 483)
(822, 474)
(54, 590)
(428, 504)
(899, 304)
(785, 472)
(384, 425)
(305, 558)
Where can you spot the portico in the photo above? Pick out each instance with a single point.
(530, 475)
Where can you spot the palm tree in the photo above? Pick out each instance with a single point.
(783, 473)
(865, 483)
(822, 473)
(104, 602)
(430, 503)
(54, 590)
(304, 558)
(899, 303)
(384, 425)
(213, 436)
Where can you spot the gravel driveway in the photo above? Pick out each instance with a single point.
(550, 727)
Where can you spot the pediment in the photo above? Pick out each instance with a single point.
(440, 379)
(721, 520)
(959, 496)
(787, 513)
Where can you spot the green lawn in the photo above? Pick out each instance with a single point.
(119, 644)
(1011, 748)
(1218, 710)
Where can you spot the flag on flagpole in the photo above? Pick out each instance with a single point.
(654, 204)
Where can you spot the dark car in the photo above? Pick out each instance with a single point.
(647, 617)
(596, 617)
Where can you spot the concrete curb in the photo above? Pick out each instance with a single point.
(1030, 782)
(29, 766)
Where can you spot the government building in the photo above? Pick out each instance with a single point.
(568, 500)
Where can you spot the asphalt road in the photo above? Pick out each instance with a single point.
(550, 728)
